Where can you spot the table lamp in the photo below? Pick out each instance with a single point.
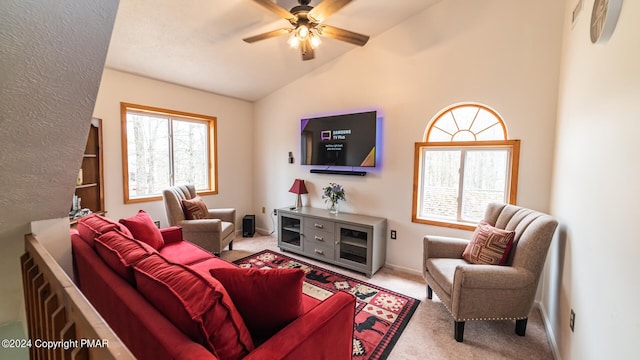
(299, 189)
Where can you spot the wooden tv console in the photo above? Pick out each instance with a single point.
(356, 242)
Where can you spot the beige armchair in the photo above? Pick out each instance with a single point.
(211, 234)
(490, 292)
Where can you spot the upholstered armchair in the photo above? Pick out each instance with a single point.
(472, 291)
(213, 230)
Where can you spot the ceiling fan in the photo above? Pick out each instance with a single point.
(308, 27)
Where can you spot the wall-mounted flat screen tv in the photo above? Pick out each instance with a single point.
(340, 140)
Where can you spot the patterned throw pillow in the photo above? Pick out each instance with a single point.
(195, 209)
(489, 245)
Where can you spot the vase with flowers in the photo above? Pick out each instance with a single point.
(332, 194)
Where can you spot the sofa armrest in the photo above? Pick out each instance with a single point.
(171, 234)
(325, 332)
(202, 225)
(441, 247)
(479, 276)
(228, 215)
(444, 247)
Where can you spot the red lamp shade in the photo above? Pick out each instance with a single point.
(298, 187)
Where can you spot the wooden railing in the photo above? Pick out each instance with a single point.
(62, 324)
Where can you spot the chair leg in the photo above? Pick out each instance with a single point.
(458, 330)
(521, 326)
(429, 292)
(231, 245)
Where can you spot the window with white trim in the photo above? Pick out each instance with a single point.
(464, 163)
(162, 148)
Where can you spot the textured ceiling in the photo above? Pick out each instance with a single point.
(198, 43)
(47, 97)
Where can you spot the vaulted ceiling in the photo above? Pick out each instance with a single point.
(198, 43)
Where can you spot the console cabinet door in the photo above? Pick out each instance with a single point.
(354, 246)
(290, 234)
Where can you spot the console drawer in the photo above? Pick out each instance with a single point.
(318, 251)
(319, 224)
(319, 238)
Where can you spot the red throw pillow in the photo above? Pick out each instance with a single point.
(120, 252)
(489, 245)
(88, 233)
(94, 225)
(268, 300)
(198, 305)
(142, 228)
(195, 209)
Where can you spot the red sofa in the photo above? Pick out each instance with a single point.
(324, 330)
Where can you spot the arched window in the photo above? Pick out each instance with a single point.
(465, 162)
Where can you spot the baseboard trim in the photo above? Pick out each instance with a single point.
(403, 269)
(264, 232)
(549, 330)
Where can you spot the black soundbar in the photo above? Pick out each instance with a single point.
(339, 172)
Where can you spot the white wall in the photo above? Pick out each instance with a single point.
(498, 52)
(595, 193)
(53, 234)
(235, 146)
(51, 58)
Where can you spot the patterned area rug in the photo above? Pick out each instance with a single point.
(381, 314)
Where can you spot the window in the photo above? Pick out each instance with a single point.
(465, 162)
(162, 148)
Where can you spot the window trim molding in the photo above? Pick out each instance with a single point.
(213, 141)
(513, 178)
(480, 106)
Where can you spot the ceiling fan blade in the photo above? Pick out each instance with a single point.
(307, 50)
(326, 8)
(276, 9)
(267, 35)
(342, 34)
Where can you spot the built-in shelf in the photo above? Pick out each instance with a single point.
(86, 185)
(90, 188)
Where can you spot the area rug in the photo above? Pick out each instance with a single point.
(381, 314)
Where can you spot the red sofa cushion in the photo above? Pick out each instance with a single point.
(94, 225)
(142, 228)
(197, 305)
(268, 300)
(120, 252)
(184, 253)
(144, 330)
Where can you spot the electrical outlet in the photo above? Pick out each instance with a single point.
(264, 209)
(572, 320)
(157, 222)
(275, 212)
(393, 234)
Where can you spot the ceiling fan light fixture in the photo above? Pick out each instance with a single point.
(314, 39)
(308, 25)
(293, 41)
(302, 32)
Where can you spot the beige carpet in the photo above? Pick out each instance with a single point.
(429, 334)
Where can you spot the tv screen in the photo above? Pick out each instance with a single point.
(340, 140)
